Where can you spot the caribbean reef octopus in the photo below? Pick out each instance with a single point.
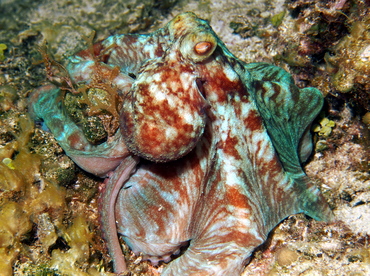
(207, 158)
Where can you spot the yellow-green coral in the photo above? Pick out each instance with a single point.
(366, 119)
(9, 163)
(33, 209)
(277, 19)
(350, 62)
(8, 96)
(325, 128)
(20, 175)
(7, 258)
(73, 261)
(3, 47)
(14, 223)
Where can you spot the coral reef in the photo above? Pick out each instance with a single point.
(25, 194)
(64, 24)
(348, 62)
(303, 247)
(308, 42)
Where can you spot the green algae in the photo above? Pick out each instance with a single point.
(277, 19)
(3, 47)
(324, 128)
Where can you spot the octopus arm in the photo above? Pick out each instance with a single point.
(46, 104)
(288, 112)
(107, 203)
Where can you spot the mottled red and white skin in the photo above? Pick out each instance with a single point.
(214, 148)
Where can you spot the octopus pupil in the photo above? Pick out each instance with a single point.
(132, 75)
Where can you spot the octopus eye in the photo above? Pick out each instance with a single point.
(198, 46)
(203, 47)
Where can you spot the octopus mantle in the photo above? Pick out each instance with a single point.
(209, 150)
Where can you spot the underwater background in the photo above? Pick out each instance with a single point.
(48, 206)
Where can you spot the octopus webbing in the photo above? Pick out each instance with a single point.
(207, 157)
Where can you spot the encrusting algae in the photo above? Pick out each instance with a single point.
(35, 224)
(349, 61)
(25, 196)
(3, 47)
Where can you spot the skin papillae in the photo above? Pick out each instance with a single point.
(208, 153)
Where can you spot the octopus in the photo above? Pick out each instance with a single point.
(207, 157)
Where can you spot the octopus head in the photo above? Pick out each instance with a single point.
(164, 114)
